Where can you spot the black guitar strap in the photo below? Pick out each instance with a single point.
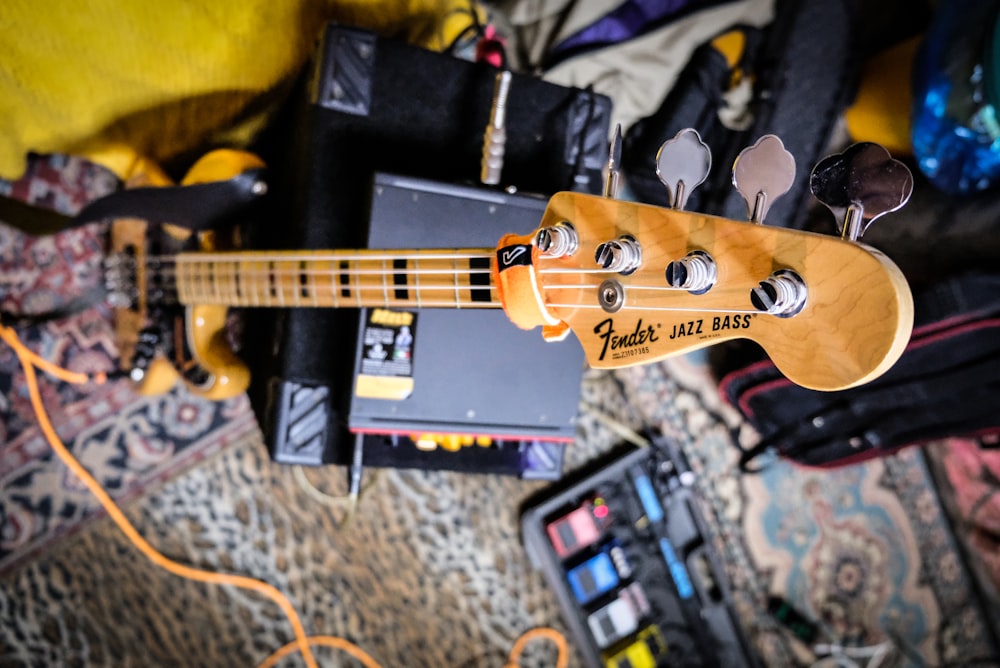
(198, 207)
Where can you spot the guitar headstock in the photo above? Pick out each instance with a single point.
(637, 283)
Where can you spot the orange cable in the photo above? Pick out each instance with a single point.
(10, 336)
(513, 660)
(27, 357)
(29, 360)
(328, 641)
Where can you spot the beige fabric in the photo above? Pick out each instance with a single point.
(532, 23)
(636, 75)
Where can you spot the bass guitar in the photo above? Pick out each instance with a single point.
(633, 282)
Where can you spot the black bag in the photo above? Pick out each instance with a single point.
(802, 70)
(944, 385)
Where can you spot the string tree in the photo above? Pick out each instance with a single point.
(683, 164)
(860, 185)
(762, 173)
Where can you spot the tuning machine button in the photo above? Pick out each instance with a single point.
(859, 185)
(762, 173)
(683, 164)
(622, 255)
(559, 240)
(783, 294)
(696, 272)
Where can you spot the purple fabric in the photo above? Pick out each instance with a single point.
(629, 19)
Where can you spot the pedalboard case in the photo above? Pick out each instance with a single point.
(381, 148)
(627, 552)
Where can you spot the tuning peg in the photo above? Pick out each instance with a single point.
(559, 240)
(682, 164)
(859, 185)
(762, 173)
(623, 255)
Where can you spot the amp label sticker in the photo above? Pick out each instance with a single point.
(387, 355)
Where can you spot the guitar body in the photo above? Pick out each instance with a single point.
(160, 340)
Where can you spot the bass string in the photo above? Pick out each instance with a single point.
(319, 256)
(203, 272)
(365, 292)
(347, 255)
(169, 269)
(677, 309)
(203, 267)
(269, 301)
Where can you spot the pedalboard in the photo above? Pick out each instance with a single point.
(626, 550)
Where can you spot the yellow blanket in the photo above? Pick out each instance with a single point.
(115, 80)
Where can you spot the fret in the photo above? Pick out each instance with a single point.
(218, 281)
(385, 285)
(357, 289)
(295, 280)
(416, 279)
(208, 280)
(199, 271)
(399, 280)
(238, 281)
(214, 279)
(345, 279)
(250, 269)
(202, 286)
(227, 282)
(334, 297)
(183, 285)
(191, 281)
(276, 291)
(311, 280)
(454, 267)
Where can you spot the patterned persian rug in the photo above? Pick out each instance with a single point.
(131, 443)
(430, 570)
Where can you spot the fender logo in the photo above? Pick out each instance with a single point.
(633, 343)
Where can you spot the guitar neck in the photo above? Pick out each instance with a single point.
(458, 278)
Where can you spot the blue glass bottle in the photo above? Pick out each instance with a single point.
(956, 123)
